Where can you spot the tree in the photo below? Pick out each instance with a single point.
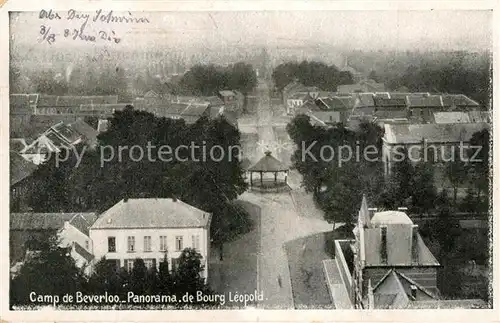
(187, 275)
(50, 271)
(480, 166)
(310, 73)
(423, 191)
(457, 173)
(242, 77)
(138, 277)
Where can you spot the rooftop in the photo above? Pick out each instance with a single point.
(268, 164)
(20, 168)
(390, 217)
(416, 133)
(152, 213)
(40, 221)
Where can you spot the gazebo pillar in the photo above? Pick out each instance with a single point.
(275, 177)
(261, 179)
(251, 181)
(286, 175)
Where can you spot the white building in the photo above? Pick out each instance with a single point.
(150, 228)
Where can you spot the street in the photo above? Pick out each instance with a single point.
(280, 220)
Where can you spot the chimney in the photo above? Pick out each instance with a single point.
(174, 198)
(414, 244)
(383, 244)
(413, 290)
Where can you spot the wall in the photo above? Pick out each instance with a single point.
(100, 239)
(344, 269)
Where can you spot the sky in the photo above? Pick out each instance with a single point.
(349, 30)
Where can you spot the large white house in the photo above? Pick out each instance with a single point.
(150, 228)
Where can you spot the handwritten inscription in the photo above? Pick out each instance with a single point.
(48, 35)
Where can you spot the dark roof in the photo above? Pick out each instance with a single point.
(86, 130)
(83, 252)
(152, 213)
(82, 223)
(336, 103)
(67, 132)
(459, 100)
(449, 304)
(422, 102)
(69, 100)
(415, 133)
(39, 221)
(268, 164)
(387, 103)
(20, 168)
(364, 99)
(383, 301)
(104, 107)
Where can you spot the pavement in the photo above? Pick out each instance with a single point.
(280, 219)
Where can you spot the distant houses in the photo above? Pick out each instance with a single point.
(151, 229)
(368, 100)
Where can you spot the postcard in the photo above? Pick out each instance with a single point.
(234, 161)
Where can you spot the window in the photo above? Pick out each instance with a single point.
(111, 244)
(178, 243)
(163, 243)
(129, 264)
(147, 243)
(87, 244)
(150, 263)
(196, 242)
(131, 244)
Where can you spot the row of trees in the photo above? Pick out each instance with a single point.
(338, 188)
(114, 170)
(54, 272)
(326, 77)
(444, 71)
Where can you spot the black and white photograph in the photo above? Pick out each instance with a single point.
(249, 159)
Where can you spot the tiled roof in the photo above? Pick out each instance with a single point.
(20, 168)
(386, 103)
(68, 100)
(39, 221)
(82, 223)
(451, 117)
(336, 103)
(104, 107)
(152, 213)
(83, 252)
(415, 133)
(459, 100)
(67, 132)
(268, 164)
(422, 102)
(364, 99)
(86, 130)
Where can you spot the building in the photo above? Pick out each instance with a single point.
(57, 138)
(421, 141)
(386, 266)
(151, 229)
(334, 109)
(68, 104)
(72, 229)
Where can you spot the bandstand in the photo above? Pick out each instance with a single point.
(273, 175)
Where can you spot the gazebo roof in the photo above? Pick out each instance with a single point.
(268, 164)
